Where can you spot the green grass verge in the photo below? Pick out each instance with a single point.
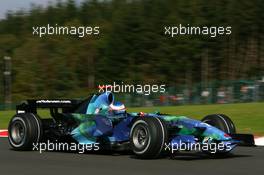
(248, 117)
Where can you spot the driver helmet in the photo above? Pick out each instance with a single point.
(117, 108)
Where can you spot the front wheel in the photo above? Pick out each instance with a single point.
(221, 122)
(147, 137)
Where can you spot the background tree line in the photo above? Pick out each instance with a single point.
(132, 46)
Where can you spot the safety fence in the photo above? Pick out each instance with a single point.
(215, 92)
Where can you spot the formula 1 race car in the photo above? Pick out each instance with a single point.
(100, 120)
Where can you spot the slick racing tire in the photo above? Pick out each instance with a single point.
(221, 122)
(148, 136)
(24, 130)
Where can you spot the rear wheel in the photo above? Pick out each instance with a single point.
(24, 130)
(147, 137)
(221, 122)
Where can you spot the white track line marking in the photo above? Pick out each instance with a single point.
(259, 141)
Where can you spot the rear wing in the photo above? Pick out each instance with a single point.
(31, 106)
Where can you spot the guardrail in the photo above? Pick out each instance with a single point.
(217, 92)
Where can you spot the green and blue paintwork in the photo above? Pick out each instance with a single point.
(98, 123)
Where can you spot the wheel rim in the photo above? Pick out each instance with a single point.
(17, 132)
(140, 136)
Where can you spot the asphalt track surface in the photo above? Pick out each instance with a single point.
(244, 160)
